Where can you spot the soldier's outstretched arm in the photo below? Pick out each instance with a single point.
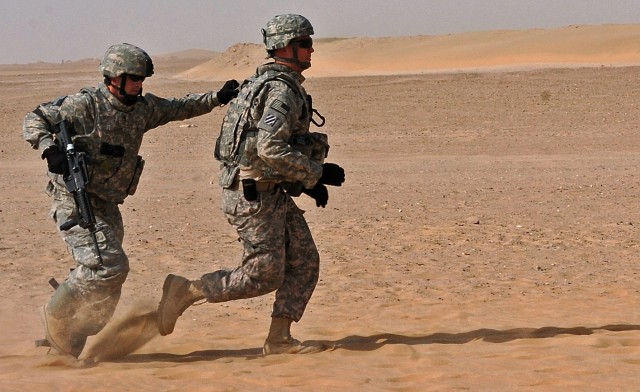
(192, 105)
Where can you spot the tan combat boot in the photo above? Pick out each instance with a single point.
(280, 340)
(58, 336)
(178, 294)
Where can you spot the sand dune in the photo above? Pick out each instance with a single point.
(571, 46)
(568, 46)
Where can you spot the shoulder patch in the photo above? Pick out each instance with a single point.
(271, 120)
(280, 106)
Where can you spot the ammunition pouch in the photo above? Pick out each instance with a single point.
(314, 145)
(135, 180)
(228, 175)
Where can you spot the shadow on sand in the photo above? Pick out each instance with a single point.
(374, 342)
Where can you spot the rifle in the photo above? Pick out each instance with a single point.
(76, 182)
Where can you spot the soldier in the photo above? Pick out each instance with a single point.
(108, 124)
(270, 158)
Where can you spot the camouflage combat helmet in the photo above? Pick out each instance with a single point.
(283, 29)
(126, 59)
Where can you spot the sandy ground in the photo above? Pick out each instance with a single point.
(486, 239)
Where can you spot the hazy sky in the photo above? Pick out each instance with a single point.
(45, 30)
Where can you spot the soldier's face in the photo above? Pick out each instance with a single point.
(299, 51)
(133, 85)
(305, 48)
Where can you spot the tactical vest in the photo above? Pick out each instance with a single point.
(114, 166)
(235, 125)
(235, 144)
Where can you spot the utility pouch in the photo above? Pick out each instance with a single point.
(302, 143)
(133, 186)
(228, 176)
(320, 148)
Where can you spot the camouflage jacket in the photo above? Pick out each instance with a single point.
(111, 133)
(279, 114)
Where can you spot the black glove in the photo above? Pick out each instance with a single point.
(228, 92)
(56, 160)
(332, 174)
(319, 193)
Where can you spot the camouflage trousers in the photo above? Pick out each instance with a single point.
(87, 299)
(279, 254)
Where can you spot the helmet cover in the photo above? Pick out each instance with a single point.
(126, 59)
(283, 29)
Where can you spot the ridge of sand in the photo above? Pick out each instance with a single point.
(571, 46)
(566, 47)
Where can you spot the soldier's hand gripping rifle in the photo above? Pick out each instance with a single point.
(76, 181)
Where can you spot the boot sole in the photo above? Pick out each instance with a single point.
(293, 349)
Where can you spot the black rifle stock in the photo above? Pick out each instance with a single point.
(76, 182)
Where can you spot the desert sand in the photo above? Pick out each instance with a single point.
(486, 237)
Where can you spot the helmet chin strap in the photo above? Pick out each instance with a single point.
(294, 60)
(128, 98)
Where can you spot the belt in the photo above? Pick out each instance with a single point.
(261, 186)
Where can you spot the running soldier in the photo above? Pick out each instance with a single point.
(268, 155)
(108, 124)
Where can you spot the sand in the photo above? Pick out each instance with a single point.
(486, 237)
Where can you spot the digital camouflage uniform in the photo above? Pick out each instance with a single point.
(279, 252)
(110, 133)
(268, 155)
